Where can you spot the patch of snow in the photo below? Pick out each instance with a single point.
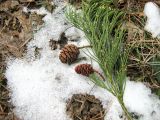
(59, 2)
(139, 99)
(40, 87)
(25, 9)
(73, 33)
(152, 11)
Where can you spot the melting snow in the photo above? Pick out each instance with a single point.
(152, 11)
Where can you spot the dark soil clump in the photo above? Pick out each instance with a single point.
(85, 107)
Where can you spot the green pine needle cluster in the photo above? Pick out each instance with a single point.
(102, 26)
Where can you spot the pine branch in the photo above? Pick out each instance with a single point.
(103, 27)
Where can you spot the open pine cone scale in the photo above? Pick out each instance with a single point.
(69, 54)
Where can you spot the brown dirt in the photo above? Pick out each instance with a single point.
(144, 49)
(85, 107)
(16, 30)
(60, 43)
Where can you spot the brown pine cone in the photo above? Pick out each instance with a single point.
(84, 69)
(69, 54)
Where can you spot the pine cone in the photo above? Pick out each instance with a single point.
(84, 69)
(69, 54)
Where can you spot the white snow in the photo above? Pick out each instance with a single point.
(152, 11)
(40, 87)
(73, 33)
(139, 99)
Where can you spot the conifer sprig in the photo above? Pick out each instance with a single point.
(103, 28)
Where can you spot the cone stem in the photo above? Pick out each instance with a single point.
(86, 46)
(100, 75)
